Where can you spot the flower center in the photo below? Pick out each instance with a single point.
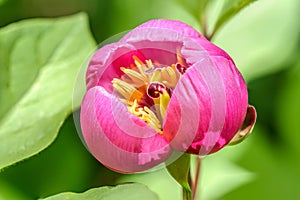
(146, 88)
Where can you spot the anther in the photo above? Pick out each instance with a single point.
(180, 68)
(155, 89)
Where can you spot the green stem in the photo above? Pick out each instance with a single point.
(196, 178)
(204, 25)
(186, 195)
(209, 37)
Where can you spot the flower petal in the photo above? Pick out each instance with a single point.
(236, 100)
(183, 31)
(172, 25)
(153, 40)
(210, 101)
(105, 64)
(207, 108)
(247, 127)
(118, 139)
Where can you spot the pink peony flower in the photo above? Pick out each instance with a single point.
(161, 88)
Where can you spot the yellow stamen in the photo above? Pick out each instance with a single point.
(149, 64)
(149, 117)
(135, 76)
(133, 108)
(137, 61)
(157, 108)
(146, 115)
(126, 89)
(169, 77)
(134, 88)
(139, 64)
(156, 76)
(164, 102)
(125, 101)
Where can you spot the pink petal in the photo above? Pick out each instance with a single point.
(172, 25)
(207, 108)
(153, 40)
(105, 64)
(183, 31)
(236, 100)
(118, 139)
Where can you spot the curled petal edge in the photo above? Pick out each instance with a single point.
(247, 126)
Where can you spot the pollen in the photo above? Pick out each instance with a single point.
(146, 88)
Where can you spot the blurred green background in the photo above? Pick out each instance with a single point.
(263, 40)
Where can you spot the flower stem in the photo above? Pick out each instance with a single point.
(196, 178)
(186, 195)
(204, 26)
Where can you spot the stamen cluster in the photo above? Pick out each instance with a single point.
(146, 88)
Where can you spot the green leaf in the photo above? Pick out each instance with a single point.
(198, 9)
(229, 10)
(65, 165)
(156, 9)
(194, 7)
(213, 14)
(180, 170)
(133, 191)
(39, 61)
(7, 191)
(158, 181)
(263, 38)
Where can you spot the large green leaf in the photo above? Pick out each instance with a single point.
(194, 7)
(229, 10)
(167, 9)
(213, 14)
(133, 191)
(7, 191)
(64, 166)
(262, 37)
(159, 181)
(39, 61)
